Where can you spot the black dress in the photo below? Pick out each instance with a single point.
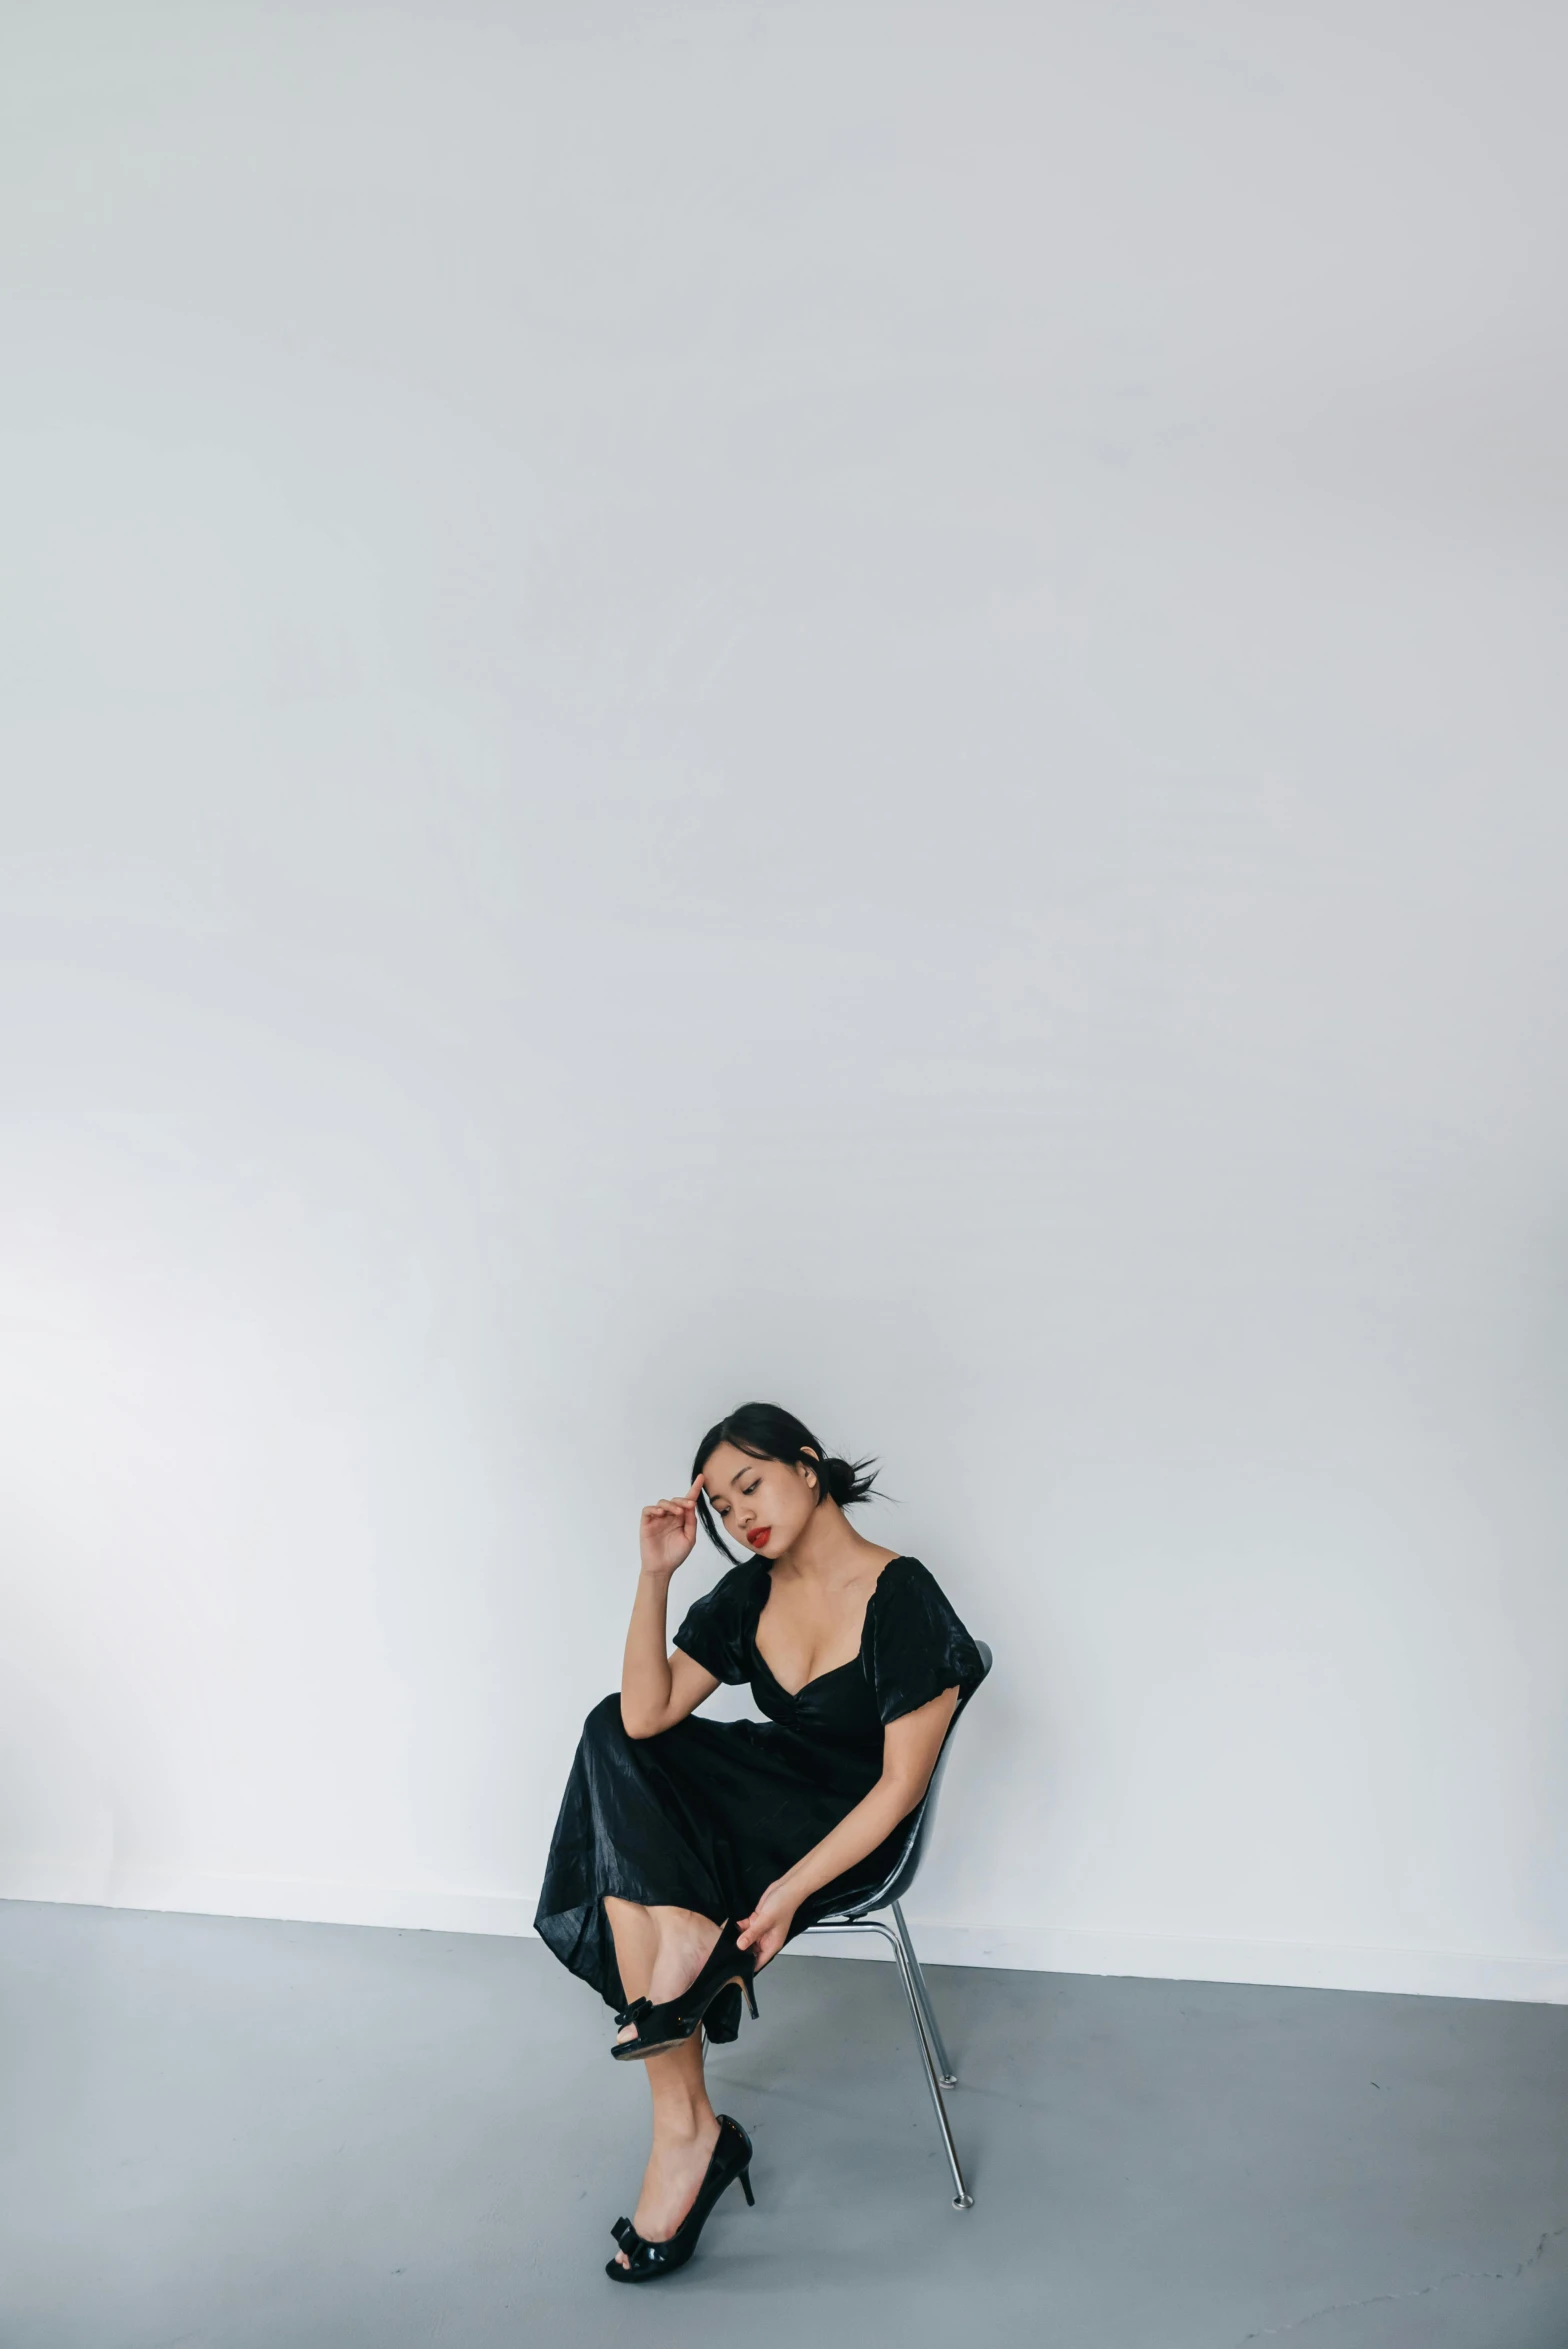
(708, 1814)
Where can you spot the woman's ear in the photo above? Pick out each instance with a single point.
(803, 1464)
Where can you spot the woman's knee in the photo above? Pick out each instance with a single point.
(604, 1725)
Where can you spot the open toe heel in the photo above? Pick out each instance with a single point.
(645, 2261)
(675, 2019)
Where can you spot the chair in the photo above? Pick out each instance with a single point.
(856, 1917)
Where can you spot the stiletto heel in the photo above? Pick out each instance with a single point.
(745, 2186)
(667, 2024)
(731, 2158)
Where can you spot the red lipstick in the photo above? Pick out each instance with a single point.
(760, 1536)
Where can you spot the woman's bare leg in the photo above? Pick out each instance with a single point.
(685, 2132)
(659, 1951)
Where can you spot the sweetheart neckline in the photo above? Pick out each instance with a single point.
(833, 1669)
(792, 1693)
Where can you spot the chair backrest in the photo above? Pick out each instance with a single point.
(906, 1866)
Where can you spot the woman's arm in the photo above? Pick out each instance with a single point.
(657, 1688)
(910, 1746)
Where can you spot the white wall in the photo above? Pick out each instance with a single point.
(848, 702)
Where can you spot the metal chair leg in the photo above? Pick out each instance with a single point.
(962, 2198)
(945, 2070)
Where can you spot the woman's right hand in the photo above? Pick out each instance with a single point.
(668, 1532)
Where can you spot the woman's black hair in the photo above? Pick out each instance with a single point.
(767, 1432)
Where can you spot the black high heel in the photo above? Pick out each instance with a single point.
(675, 2019)
(731, 2158)
(721, 2023)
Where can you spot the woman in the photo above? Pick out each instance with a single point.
(688, 1852)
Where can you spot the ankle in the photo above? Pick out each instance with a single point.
(686, 2126)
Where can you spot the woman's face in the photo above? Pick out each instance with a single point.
(764, 1505)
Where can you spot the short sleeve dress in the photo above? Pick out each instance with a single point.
(706, 1815)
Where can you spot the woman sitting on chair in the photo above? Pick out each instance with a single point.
(688, 1852)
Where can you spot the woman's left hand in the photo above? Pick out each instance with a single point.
(767, 1928)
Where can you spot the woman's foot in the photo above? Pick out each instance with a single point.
(684, 1949)
(675, 2170)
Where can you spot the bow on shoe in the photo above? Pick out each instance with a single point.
(645, 2259)
(634, 2013)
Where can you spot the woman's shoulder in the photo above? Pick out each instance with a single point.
(909, 1594)
(906, 1574)
(716, 1628)
(734, 1588)
(919, 1644)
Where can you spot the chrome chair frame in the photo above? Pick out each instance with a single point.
(857, 1917)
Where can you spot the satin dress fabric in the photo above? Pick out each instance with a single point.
(707, 1815)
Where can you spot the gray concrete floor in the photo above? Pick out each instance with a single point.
(221, 2132)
